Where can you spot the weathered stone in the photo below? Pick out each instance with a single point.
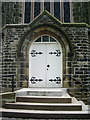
(14, 59)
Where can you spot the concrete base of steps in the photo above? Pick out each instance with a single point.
(35, 114)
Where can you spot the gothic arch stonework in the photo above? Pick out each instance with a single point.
(44, 21)
(34, 31)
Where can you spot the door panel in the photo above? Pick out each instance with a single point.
(37, 66)
(45, 65)
(54, 72)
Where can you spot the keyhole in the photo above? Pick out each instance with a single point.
(48, 66)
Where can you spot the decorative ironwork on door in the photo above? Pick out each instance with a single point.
(34, 80)
(57, 53)
(45, 57)
(57, 80)
(34, 53)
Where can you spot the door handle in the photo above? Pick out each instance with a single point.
(48, 66)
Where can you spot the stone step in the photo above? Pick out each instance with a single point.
(42, 114)
(44, 99)
(44, 106)
(41, 92)
(45, 93)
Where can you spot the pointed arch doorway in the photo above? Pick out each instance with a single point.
(45, 63)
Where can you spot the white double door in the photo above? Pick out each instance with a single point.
(45, 65)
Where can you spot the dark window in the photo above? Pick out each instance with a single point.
(57, 10)
(47, 6)
(45, 39)
(2, 35)
(27, 12)
(38, 40)
(3, 8)
(36, 9)
(52, 39)
(66, 12)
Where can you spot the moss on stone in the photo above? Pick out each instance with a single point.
(76, 25)
(51, 17)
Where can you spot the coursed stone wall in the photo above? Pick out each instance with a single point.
(12, 13)
(79, 66)
(77, 78)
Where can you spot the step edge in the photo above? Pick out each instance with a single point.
(44, 97)
(43, 111)
(51, 104)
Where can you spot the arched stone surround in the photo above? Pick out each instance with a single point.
(34, 33)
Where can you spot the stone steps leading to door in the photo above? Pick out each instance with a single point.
(44, 114)
(45, 106)
(44, 99)
(41, 92)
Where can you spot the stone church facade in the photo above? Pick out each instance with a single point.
(74, 40)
